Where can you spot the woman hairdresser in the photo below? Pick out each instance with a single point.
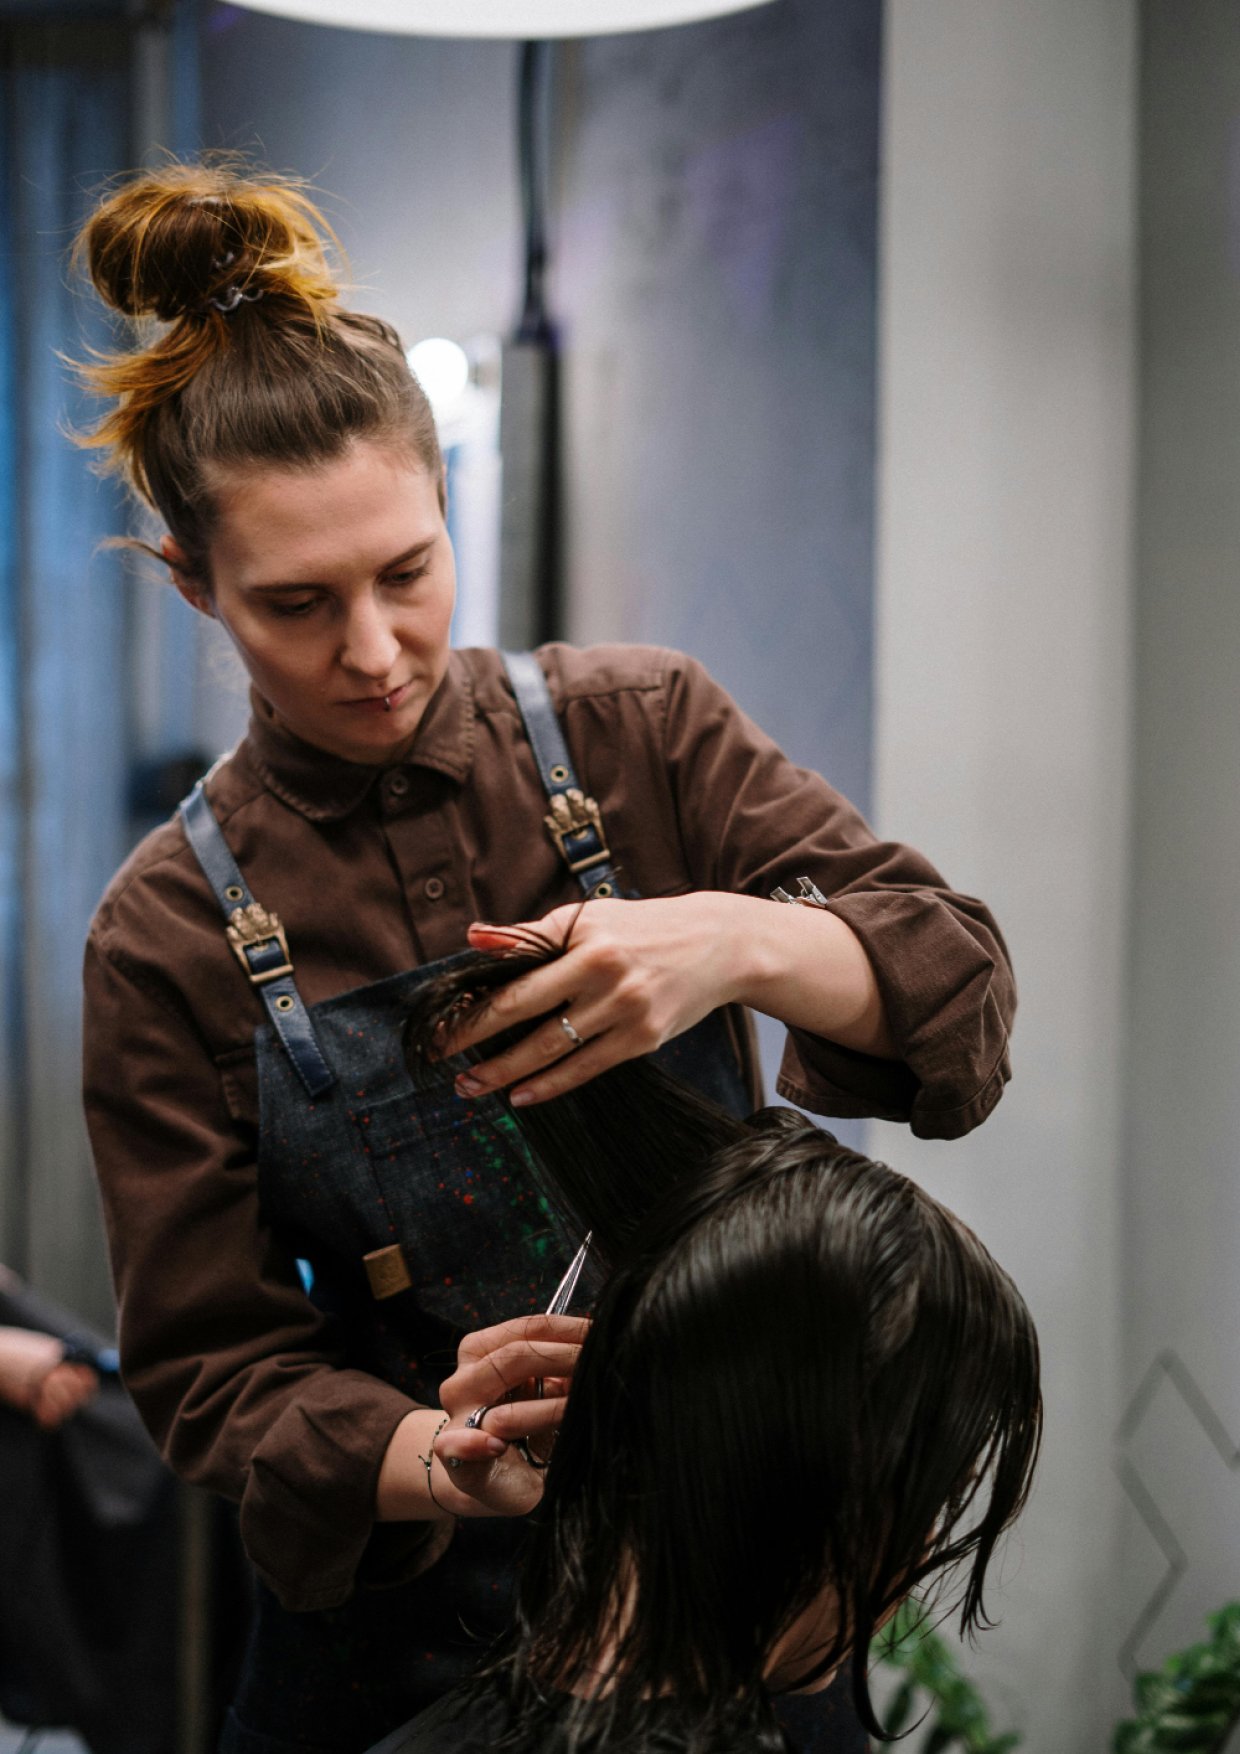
(393, 801)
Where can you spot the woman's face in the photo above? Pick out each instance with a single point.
(336, 585)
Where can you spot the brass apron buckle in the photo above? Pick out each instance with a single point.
(253, 929)
(572, 815)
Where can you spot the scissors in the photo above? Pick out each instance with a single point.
(561, 1298)
(560, 1301)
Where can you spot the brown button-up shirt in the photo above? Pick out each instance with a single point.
(376, 870)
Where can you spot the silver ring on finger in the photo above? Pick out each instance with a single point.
(576, 1040)
(474, 1422)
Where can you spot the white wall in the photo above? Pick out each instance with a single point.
(1182, 1206)
(1006, 353)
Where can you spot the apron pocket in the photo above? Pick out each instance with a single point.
(481, 1243)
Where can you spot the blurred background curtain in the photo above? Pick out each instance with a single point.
(65, 731)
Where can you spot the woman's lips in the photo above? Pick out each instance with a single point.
(381, 703)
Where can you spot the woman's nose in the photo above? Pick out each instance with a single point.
(370, 645)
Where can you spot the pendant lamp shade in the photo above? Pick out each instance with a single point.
(519, 19)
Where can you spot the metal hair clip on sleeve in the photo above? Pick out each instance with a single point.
(810, 896)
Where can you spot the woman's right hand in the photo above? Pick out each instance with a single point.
(479, 1470)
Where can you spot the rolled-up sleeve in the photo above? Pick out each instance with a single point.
(236, 1374)
(750, 820)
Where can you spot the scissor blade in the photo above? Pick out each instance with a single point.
(568, 1284)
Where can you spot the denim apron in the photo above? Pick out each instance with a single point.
(418, 1215)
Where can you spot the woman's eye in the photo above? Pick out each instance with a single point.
(409, 575)
(302, 606)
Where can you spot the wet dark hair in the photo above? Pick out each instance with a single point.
(810, 1374)
(245, 354)
(803, 1372)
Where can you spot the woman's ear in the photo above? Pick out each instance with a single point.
(188, 583)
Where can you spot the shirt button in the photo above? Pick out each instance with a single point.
(433, 888)
(397, 784)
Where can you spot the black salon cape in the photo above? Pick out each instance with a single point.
(88, 1557)
(471, 1720)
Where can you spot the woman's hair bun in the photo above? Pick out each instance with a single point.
(169, 242)
(253, 355)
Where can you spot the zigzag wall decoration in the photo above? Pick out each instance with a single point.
(1171, 1367)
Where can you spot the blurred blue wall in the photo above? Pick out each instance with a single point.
(65, 101)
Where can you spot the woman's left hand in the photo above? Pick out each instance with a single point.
(635, 974)
(438, 1465)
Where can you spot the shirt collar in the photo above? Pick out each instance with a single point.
(323, 786)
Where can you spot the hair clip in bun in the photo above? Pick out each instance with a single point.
(233, 295)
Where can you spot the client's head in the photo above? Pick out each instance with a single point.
(809, 1392)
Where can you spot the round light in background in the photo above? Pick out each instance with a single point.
(516, 19)
(442, 369)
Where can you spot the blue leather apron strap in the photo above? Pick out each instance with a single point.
(575, 823)
(258, 942)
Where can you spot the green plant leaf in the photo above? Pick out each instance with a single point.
(934, 1682)
(1192, 1703)
(900, 1709)
(1154, 1693)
